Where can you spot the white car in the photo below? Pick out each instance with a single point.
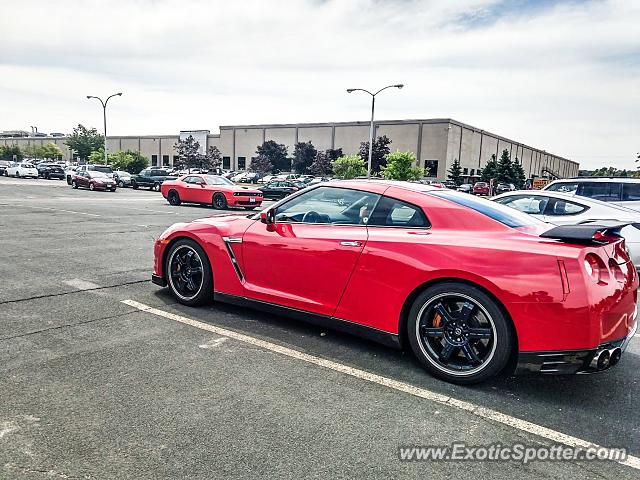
(21, 169)
(623, 191)
(566, 209)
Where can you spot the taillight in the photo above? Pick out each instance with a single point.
(595, 267)
(616, 270)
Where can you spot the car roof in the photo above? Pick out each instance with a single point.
(365, 184)
(597, 180)
(565, 196)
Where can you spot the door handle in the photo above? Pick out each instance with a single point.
(351, 244)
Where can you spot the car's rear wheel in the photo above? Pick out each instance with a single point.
(459, 333)
(189, 273)
(74, 184)
(17, 174)
(174, 198)
(121, 184)
(156, 187)
(134, 185)
(219, 201)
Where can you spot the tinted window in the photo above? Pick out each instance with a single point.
(631, 191)
(338, 206)
(607, 192)
(500, 213)
(566, 187)
(531, 204)
(101, 168)
(390, 212)
(563, 207)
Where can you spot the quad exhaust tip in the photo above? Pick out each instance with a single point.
(605, 358)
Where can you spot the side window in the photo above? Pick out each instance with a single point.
(329, 205)
(607, 192)
(188, 180)
(563, 207)
(630, 191)
(531, 204)
(390, 212)
(565, 187)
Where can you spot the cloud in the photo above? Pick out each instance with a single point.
(557, 75)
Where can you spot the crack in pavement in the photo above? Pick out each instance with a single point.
(37, 297)
(47, 472)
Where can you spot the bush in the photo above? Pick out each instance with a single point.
(400, 167)
(349, 166)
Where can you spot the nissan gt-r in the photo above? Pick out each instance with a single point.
(472, 287)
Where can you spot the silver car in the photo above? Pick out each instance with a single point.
(621, 191)
(567, 209)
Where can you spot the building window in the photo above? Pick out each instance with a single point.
(165, 160)
(432, 166)
(154, 159)
(226, 163)
(176, 159)
(473, 172)
(465, 171)
(242, 163)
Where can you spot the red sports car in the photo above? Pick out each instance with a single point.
(481, 188)
(210, 190)
(471, 286)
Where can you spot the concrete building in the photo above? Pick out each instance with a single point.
(437, 143)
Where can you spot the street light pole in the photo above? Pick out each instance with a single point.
(104, 117)
(373, 106)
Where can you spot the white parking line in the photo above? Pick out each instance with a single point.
(482, 412)
(56, 210)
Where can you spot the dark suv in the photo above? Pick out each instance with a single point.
(151, 178)
(50, 170)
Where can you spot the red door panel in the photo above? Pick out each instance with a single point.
(302, 266)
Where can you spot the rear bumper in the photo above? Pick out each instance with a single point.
(568, 362)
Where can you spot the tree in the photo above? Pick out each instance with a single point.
(212, 159)
(519, 177)
(335, 153)
(96, 156)
(276, 153)
(321, 166)
(349, 166)
(129, 161)
(261, 164)
(84, 141)
(380, 151)
(303, 156)
(490, 170)
(50, 151)
(188, 152)
(399, 166)
(7, 152)
(455, 172)
(504, 172)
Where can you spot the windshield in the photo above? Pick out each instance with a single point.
(28, 165)
(101, 168)
(98, 174)
(216, 180)
(500, 213)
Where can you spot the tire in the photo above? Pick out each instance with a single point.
(68, 180)
(201, 289)
(174, 198)
(17, 174)
(441, 343)
(92, 187)
(156, 187)
(74, 184)
(219, 201)
(113, 189)
(121, 184)
(134, 185)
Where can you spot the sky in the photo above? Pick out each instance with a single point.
(557, 75)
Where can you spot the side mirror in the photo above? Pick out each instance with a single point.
(201, 184)
(268, 217)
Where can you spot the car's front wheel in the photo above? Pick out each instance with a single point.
(134, 184)
(74, 184)
(459, 333)
(121, 184)
(156, 187)
(219, 201)
(188, 273)
(92, 187)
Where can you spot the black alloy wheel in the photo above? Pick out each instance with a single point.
(189, 273)
(219, 201)
(174, 198)
(459, 333)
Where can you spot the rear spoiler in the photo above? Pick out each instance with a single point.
(599, 232)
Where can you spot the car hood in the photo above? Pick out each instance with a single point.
(223, 219)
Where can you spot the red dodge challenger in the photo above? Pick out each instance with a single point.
(210, 190)
(470, 286)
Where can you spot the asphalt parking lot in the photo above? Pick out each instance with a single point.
(91, 387)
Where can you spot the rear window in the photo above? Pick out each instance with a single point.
(606, 192)
(500, 213)
(630, 192)
(101, 168)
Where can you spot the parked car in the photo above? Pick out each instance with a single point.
(618, 190)
(21, 169)
(93, 180)
(51, 170)
(316, 180)
(3, 166)
(505, 187)
(106, 169)
(266, 179)
(480, 188)
(465, 187)
(151, 178)
(441, 278)
(122, 178)
(278, 189)
(449, 184)
(566, 209)
(68, 173)
(213, 190)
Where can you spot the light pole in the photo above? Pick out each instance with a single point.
(104, 115)
(373, 105)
